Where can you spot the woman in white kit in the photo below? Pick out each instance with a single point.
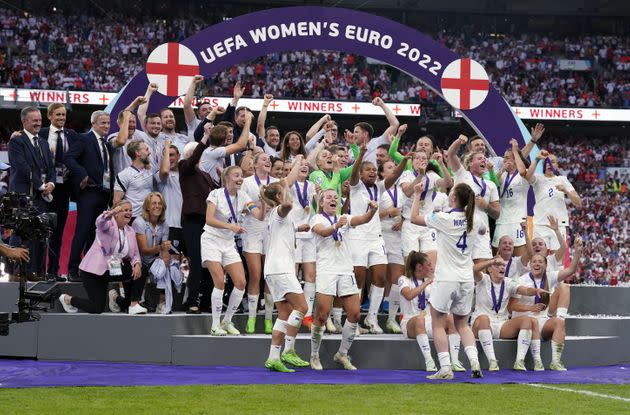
(550, 327)
(513, 198)
(303, 192)
(550, 189)
(218, 249)
(491, 318)
(453, 285)
(335, 274)
(281, 277)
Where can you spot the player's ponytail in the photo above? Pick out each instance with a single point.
(270, 194)
(466, 200)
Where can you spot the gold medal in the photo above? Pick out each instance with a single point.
(307, 209)
(337, 244)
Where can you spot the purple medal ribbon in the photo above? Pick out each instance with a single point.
(537, 299)
(232, 210)
(422, 297)
(507, 268)
(433, 195)
(394, 196)
(456, 210)
(496, 305)
(336, 236)
(423, 195)
(507, 182)
(550, 163)
(374, 196)
(258, 180)
(302, 196)
(482, 185)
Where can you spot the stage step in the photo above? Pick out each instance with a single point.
(381, 351)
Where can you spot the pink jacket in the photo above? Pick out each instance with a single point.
(95, 261)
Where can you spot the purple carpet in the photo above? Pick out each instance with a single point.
(32, 373)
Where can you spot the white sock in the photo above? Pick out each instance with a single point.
(445, 360)
(485, 337)
(425, 348)
(252, 304)
(471, 353)
(217, 306)
(376, 297)
(394, 302)
(295, 319)
(336, 315)
(561, 312)
(534, 347)
(289, 343)
(453, 344)
(347, 336)
(274, 351)
(316, 339)
(556, 351)
(235, 299)
(280, 325)
(309, 294)
(268, 306)
(523, 341)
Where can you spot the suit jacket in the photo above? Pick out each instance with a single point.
(69, 133)
(27, 167)
(84, 159)
(95, 261)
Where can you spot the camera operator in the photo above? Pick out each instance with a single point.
(113, 256)
(32, 173)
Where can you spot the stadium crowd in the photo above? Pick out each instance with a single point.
(82, 52)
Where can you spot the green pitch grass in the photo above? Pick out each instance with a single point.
(317, 399)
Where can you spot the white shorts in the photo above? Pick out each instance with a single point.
(481, 246)
(339, 285)
(218, 250)
(417, 238)
(452, 297)
(541, 322)
(282, 284)
(513, 230)
(393, 247)
(428, 325)
(368, 253)
(305, 250)
(495, 325)
(255, 242)
(549, 236)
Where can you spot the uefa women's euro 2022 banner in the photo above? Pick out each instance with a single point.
(462, 82)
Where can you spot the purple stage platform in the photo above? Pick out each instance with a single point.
(32, 373)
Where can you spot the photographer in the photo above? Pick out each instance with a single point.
(113, 256)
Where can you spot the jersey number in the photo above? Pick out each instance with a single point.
(461, 242)
(520, 233)
(551, 192)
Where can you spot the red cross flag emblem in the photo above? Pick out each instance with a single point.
(465, 84)
(172, 67)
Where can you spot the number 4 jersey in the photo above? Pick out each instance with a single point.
(454, 246)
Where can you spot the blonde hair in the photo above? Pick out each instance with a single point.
(146, 205)
(227, 172)
(269, 194)
(320, 198)
(121, 202)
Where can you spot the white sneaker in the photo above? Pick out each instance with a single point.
(217, 331)
(69, 308)
(457, 366)
(430, 364)
(230, 329)
(330, 326)
(137, 309)
(344, 360)
(442, 374)
(493, 366)
(316, 364)
(114, 308)
(475, 368)
(373, 327)
(393, 327)
(338, 326)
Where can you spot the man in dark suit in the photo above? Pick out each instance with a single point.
(89, 162)
(58, 138)
(32, 173)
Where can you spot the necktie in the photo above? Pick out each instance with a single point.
(105, 158)
(38, 150)
(59, 150)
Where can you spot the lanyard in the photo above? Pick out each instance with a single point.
(496, 305)
(394, 196)
(423, 195)
(121, 240)
(232, 210)
(374, 196)
(258, 180)
(482, 185)
(507, 268)
(303, 195)
(542, 284)
(336, 236)
(508, 181)
(550, 163)
(422, 297)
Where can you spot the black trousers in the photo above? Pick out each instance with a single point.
(90, 204)
(192, 227)
(96, 289)
(60, 206)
